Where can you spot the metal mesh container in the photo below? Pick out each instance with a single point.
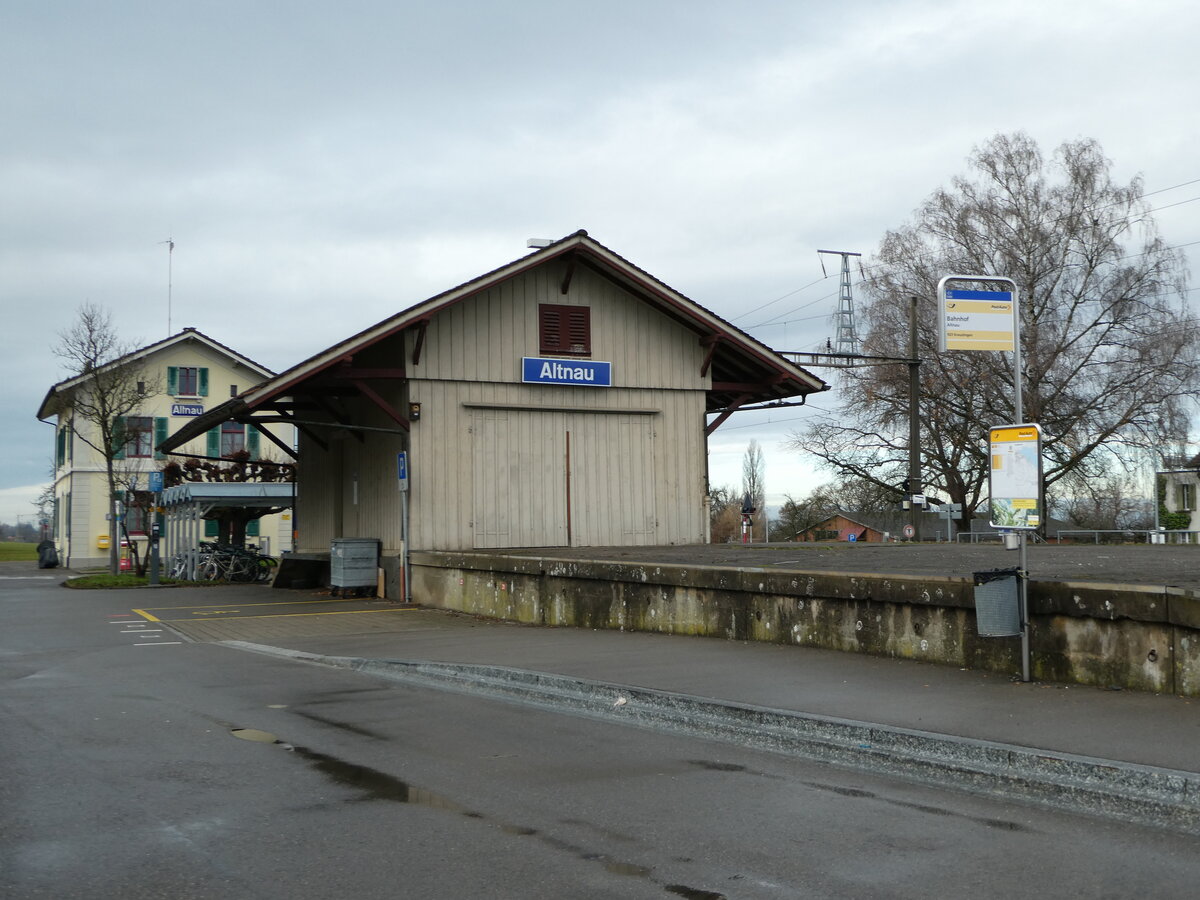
(353, 562)
(997, 603)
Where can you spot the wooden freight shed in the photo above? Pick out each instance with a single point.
(564, 399)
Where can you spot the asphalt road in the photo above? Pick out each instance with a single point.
(139, 764)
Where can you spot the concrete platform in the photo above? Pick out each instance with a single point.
(1154, 565)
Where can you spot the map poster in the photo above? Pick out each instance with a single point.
(1016, 476)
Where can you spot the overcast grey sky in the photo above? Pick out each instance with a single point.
(323, 166)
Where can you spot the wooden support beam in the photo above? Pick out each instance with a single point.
(351, 373)
(272, 438)
(744, 386)
(712, 342)
(568, 275)
(740, 386)
(337, 416)
(726, 413)
(312, 436)
(387, 408)
(422, 324)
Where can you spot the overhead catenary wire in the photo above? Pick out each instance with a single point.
(863, 269)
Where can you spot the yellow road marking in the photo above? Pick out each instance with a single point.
(143, 613)
(342, 612)
(268, 603)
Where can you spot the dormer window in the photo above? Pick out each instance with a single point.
(565, 330)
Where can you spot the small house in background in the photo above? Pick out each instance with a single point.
(185, 373)
(871, 528)
(1178, 488)
(562, 400)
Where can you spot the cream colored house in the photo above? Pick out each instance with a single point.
(184, 375)
(1179, 496)
(564, 399)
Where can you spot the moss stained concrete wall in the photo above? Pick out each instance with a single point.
(1085, 633)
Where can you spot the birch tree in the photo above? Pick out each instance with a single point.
(1110, 346)
(116, 383)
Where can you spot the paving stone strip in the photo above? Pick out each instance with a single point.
(1145, 795)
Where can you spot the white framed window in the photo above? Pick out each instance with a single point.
(139, 434)
(187, 381)
(233, 438)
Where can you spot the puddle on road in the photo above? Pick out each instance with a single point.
(376, 785)
(253, 734)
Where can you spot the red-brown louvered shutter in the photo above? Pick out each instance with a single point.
(565, 329)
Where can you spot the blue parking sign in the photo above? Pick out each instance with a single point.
(402, 469)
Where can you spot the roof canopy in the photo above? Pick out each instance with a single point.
(230, 493)
(743, 370)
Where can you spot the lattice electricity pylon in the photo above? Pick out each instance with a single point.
(847, 336)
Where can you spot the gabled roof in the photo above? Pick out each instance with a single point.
(744, 370)
(879, 520)
(49, 405)
(230, 493)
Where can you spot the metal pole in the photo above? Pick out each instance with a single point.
(1022, 540)
(914, 421)
(1019, 415)
(154, 538)
(407, 567)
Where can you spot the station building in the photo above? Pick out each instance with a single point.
(561, 400)
(181, 377)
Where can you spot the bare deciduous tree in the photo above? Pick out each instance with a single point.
(1109, 346)
(754, 474)
(115, 384)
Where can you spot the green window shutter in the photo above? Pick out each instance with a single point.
(252, 441)
(213, 438)
(173, 380)
(119, 438)
(211, 528)
(160, 435)
(252, 528)
(203, 379)
(61, 455)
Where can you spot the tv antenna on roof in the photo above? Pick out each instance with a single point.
(170, 254)
(847, 336)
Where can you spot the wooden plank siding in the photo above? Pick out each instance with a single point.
(483, 338)
(625, 444)
(488, 457)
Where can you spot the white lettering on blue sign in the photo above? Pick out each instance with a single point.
(187, 409)
(586, 372)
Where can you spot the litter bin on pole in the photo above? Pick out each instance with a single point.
(997, 603)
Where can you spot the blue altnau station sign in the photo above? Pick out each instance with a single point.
(586, 372)
(187, 409)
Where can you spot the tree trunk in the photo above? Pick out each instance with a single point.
(114, 530)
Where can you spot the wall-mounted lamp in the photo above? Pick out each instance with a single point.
(414, 412)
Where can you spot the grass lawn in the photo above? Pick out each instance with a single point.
(106, 580)
(11, 551)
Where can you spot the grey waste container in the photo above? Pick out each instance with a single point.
(47, 555)
(353, 563)
(997, 603)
